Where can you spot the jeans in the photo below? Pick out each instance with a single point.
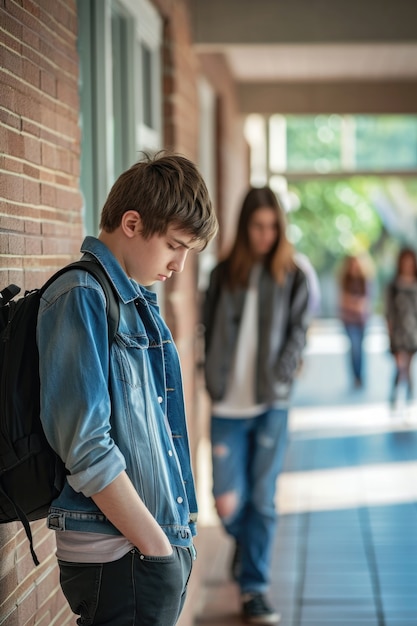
(355, 333)
(136, 590)
(247, 457)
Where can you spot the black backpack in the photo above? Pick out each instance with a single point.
(31, 474)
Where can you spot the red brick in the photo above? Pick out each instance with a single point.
(28, 107)
(47, 176)
(12, 165)
(69, 199)
(29, 127)
(31, 171)
(10, 223)
(10, 119)
(32, 149)
(48, 195)
(21, 15)
(31, 7)
(30, 38)
(60, 22)
(33, 245)
(11, 61)
(11, 25)
(8, 95)
(68, 92)
(4, 244)
(31, 191)
(16, 244)
(12, 142)
(10, 42)
(11, 187)
(31, 72)
(32, 227)
(48, 152)
(48, 83)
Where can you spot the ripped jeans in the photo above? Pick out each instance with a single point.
(247, 456)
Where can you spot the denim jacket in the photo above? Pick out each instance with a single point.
(282, 325)
(104, 413)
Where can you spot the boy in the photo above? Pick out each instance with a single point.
(127, 514)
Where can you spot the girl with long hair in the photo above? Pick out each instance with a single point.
(354, 311)
(255, 319)
(401, 312)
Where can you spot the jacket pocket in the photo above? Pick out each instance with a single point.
(131, 359)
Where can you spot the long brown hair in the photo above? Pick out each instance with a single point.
(405, 252)
(350, 281)
(241, 259)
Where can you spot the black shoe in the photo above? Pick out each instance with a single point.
(236, 564)
(256, 610)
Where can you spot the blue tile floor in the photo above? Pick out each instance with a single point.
(346, 547)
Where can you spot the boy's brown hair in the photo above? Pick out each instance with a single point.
(165, 189)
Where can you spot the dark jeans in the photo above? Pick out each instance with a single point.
(356, 333)
(136, 590)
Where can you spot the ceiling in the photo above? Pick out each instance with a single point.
(330, 61)
(351, 56)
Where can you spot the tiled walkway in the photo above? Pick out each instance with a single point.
(346, 549)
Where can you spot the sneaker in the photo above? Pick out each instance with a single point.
(256, 610)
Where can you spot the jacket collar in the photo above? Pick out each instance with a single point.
(127, 288)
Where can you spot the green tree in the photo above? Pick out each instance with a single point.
(333, 218)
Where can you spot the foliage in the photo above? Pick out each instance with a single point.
(333, 218)
(386, 142)
(313, 143)
(330, 143)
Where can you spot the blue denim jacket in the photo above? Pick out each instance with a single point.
(139, 426)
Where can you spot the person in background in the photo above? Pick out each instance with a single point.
(255, 318)
(354, 311)
(401, 314)
(126, 517)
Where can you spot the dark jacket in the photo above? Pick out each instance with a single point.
(282, 320)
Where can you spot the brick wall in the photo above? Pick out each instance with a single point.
(40, 230)
(39, 134)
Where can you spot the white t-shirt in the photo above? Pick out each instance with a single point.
(239, 400)
(80, 547)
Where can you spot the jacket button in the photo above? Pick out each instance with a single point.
(169, 452)
(180, 500)
(160, 399)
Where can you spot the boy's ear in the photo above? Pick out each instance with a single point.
(131, 223)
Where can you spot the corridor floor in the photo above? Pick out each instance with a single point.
(346, 547)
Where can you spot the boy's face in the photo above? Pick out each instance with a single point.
(157, 258)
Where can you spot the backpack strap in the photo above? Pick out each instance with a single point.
(112, 303)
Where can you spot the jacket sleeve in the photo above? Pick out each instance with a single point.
(209, 305)
(73, 367)
(298, 320)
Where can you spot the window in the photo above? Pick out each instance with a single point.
(308, 145)
(120, 93)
